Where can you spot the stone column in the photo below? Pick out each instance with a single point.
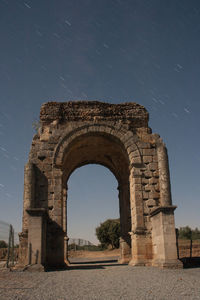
(164, 177)
(162, 218)
(65, 209)
(29, 192)
(138, 232)
(29, 201)
(65, 225)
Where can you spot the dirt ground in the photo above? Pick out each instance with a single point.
(88, 254)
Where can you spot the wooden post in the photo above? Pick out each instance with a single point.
(12, 246)
(190, 248)
(9, 245)
(177, 246)
(30, 254)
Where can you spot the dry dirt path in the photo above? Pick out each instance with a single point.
(101, 279)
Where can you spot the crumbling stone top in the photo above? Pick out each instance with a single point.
(94, 110)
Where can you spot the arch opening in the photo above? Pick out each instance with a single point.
(92, 198)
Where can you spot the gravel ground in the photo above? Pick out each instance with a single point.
(101, 280)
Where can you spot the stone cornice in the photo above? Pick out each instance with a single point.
(37, 212)
(164, 209)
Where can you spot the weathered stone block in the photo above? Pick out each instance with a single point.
(156, 174)
(148, 174)
(153, 166)
(137, 180)
(127, 136)
(137, 187)
(146, 210)
(148, 152)
(148, 187)
(147, 159)
(145, 181)
(132, 148)
(154, 195)
(136, 160)
(157, 187)
(153, 181)
(150, 202)
(155, 158)
(143, 145)
(145, 195)
(137, 172)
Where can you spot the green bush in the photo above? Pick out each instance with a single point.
(3, 244)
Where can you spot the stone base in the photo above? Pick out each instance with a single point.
(137, 263)
(168, 264)
(67, 262)
(124, 260)
(41, 268)
(35, 268)
(56, 267)
(18, 268)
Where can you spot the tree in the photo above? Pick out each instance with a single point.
(3, 244)
(108, 233)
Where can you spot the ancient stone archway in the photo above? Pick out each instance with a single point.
(117, 136)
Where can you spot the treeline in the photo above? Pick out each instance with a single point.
(187, 233)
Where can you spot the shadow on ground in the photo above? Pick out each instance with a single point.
(87, 264)
(94, 262)
(99, 263)
(190, 262)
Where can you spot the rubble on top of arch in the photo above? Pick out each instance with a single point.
(136, 115)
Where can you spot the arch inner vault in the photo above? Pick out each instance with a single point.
(117, 136)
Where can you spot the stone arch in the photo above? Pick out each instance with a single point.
(117, 136)
(127, 155)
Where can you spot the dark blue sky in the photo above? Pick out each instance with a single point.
(115, 51)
